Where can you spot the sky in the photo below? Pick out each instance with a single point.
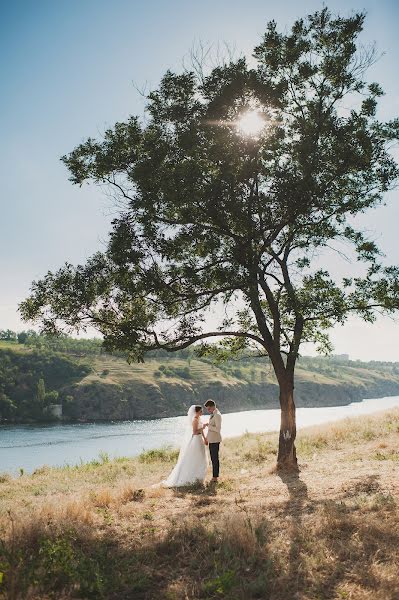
(70, 69)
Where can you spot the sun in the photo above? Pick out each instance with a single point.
(250, 123)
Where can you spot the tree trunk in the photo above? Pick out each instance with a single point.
(286, 459)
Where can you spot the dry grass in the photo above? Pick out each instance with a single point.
(113, 370)
(102, 531)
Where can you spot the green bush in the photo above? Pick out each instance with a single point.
(159, 455)
(221, 585)
(182, 372)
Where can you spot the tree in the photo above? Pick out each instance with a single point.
(7, 406)
(8, 335)
(41, 391)
(219, 210)
(38, 402)
(22, 337)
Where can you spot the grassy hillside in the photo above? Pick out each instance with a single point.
(102, 530)
(92, 385)
(315, 370)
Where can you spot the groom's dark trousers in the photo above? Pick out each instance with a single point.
(214, 452)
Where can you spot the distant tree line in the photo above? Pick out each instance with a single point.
(336, 362)
(94, 346)
(59, 343)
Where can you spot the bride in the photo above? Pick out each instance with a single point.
(192, 463)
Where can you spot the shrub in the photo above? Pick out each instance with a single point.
(159, 455)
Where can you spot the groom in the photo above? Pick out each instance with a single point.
(214, 438)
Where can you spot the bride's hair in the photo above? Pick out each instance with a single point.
(198, 408)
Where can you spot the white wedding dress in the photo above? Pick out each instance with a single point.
(192, 463)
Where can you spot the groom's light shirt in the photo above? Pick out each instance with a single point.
(214, 427)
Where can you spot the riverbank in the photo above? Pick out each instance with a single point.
(101, 531)
(30, 447)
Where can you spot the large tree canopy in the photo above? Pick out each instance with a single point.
(211, 215)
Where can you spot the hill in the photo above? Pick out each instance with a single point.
(101, 530)
(92, 385)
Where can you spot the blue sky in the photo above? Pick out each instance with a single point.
(67, 70)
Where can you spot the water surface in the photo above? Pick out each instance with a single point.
(32, 446)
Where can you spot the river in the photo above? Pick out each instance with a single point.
(32, 446)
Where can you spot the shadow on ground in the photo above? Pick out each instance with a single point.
(306, 549)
